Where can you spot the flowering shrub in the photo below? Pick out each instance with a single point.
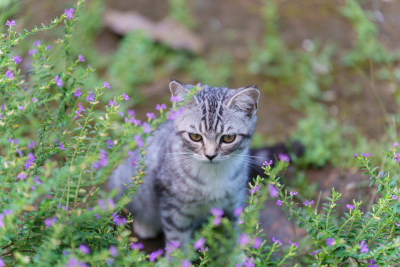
(61, 138)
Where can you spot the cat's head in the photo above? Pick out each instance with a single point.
(217, 123)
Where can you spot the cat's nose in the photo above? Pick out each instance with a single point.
(210, 157)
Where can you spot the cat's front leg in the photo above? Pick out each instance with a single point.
(177, 226)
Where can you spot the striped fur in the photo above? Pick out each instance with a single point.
(181, 183)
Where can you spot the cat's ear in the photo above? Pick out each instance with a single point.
(180, 92)
(245, 100)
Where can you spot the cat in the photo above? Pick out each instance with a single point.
(194, 163)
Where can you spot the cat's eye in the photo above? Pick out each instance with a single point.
(195, 137)
(228, 138)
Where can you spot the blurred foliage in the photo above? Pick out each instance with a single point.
(367, 46)
(180, 11)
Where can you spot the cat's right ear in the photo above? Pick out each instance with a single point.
(180, 92)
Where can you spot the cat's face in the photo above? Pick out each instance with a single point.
(217, 123)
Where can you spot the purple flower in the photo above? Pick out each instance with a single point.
(9, 74)
(363, 247)
(138, 140)
(61, 146)
(350, 207)
(172, 114)
(125, 96)
(279, 202)
(217, 215)
(254, 189)
(106, 85)
(109, 143)
(112, 103)
(315, 252)
(101, 203)
(199, 243)
(257, 243)
(146, 128)
(273, 191)
(217, 212)
(50, 221)
(394, 197)
(308, 203)
(32, 52)
(102, 162)
(37, 180)
(113, 251)
(267, 163)
(90, 97)
(2, 264)
(21, 107)
(283, 157)
(397, 224)
(17, 59)
(58, 81)
(185, 263)
(249, 262)
(10, 23)
(7, 212)
(121, 113)
(160, 107)
(36, 43)
(34, 100)
(293, 193)
(48, 47)
(73, 262)
(30, 161)
(81, 58)
(78, 112)
(69, 12)
(97, 216)
(132, 158)
(150, 115)
(155, 254)
(118, 220)
(355, 155)
(77, 92)
(21, 176)
(131, 112)
(137, 246)
(110, 203)
(134, 121)
(237, 211)
(174, 99)
(84, 249)
(276, 241)
(395, 144)
(243, 239)
(330, 241)
(296, 244)
(170, 247)
(1, 220)
(372, 261)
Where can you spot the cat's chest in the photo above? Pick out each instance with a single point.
(209, 184)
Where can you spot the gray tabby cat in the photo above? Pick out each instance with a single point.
(194, 163)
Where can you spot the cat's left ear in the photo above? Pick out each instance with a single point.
(180, 92)
(245, 100)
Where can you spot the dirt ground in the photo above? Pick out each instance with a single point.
(231, 26)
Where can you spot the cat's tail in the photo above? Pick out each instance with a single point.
(259, 155)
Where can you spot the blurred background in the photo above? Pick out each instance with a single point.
(328, 71)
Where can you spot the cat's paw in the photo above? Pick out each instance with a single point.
(145, 230)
